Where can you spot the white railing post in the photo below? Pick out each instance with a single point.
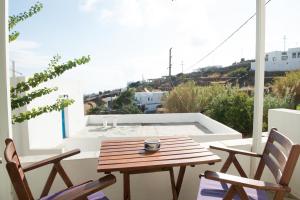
(5, 110)
(259, 80)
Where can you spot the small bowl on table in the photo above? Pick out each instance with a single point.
(152, 144)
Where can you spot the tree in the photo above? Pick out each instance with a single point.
(125, 103)
(24, 92)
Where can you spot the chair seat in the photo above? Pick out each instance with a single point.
(214, 190)
(95, 196)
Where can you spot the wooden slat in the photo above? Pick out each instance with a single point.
(151, 159)
(140, 151)
(110, 144)
(142, 139)
(157, 164)
(156, 154)
(141, 147)
(278, 155)
(281, 139)
(273, 166)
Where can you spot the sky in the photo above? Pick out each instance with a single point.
(129, 40)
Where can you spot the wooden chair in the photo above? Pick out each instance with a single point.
(280, 156)
(89, 190)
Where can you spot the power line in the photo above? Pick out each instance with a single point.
(225, 40)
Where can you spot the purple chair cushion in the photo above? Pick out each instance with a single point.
(95, 196)
(214, 190)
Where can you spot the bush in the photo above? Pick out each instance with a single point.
(225, 104)
(288, 85)
(234, 109)
(188, 97)
(271, 102)
(238, 72)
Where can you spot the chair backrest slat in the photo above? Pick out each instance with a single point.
(277, 154)
(15, 171)
(273, 167)
(285, 142)
(290, 165)
(280, 156)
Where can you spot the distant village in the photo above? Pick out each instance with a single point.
(148, 94)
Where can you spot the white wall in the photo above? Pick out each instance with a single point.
(143, 186)
(281, 65)
(213, 125)
(45, 132)
(288, 122)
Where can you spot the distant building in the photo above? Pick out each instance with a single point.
(282, 60)
(149, 101)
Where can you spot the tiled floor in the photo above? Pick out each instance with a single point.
(140, 130)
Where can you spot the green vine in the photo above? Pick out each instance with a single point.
(57, 106)
(15, 19)
(22, 93)
(20, 101)
(52, 72)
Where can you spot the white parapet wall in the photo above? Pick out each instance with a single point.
(143, 186)
(212, 125)
(43, 133)
(90, 140)
(288, 122)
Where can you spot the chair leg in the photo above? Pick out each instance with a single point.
(242, 193)
(126, 186)
(279, 196)
(173, 184)
(63, 175)
(230, 193)
(49, 182)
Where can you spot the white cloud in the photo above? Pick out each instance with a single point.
(88, 5)
(25, 55)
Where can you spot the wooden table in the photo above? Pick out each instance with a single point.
(128, 157)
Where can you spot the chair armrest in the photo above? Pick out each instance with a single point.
(245, 182)
(54, 159)
(236, 151)
(84, 190)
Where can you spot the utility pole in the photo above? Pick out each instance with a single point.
(170, 62)
(13, 69)
(182, 67)
(284, 43)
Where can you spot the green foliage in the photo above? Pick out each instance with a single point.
(20, 98)
(15, 19)
(233, 108)
(238, 72)
(298, 107)
(20, 101)
(188, 97)
(57, 106)
(20, 94)
(288, 85)
(272, 101)
(225, 104)
(130, 109)
(98, 110)
(55, 69)
(125, 103)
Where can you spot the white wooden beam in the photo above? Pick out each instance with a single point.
(5, 109)
(259, 80)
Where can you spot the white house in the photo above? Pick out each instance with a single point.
(149, 100)
(282, 60)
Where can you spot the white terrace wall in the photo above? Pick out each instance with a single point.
(209, 123)
(143, 186)
(45, 132)
(288, 122)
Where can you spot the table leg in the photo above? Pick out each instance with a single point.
(174, 191)
(126, 186)
(180, 179)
